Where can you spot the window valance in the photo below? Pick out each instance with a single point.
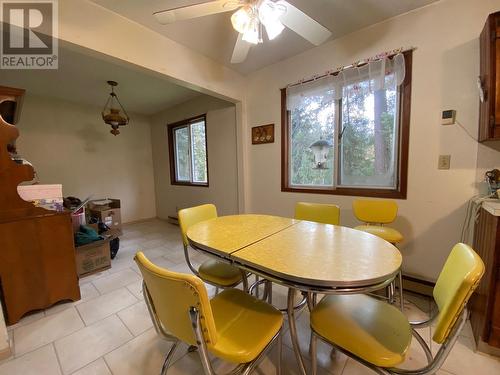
(382, 72)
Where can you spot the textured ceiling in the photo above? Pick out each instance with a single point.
(213, 36)
(81, 78)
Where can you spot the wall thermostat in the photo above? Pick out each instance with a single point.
(448, 117)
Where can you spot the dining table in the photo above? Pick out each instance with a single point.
(304, 256)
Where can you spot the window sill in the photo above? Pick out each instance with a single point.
(356, 192)
(180, 183)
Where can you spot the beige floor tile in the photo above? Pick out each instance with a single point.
(46, 330)
(105, 305)
(355, 368)
(156, 252)
(115, 281)
(98, 367)
(93, 277)
(42, 361)
(87, 345)
(27, 319)
(143, 355)
(190, 364)
(136, 289)
(333, 364)
(87, 291)
(462, 359)
(120, 264)
(136, 318)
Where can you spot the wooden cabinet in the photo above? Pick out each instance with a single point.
(37, 254)
(485, 304)
(489, 113)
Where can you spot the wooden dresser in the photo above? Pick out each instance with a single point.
(37, 254)
(485, 303)
(489, 111)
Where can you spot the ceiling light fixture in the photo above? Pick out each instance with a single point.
(250, 18)
(111, 112)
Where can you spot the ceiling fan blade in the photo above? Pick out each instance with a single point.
(194, 11)
(240, 50)
(303, 25)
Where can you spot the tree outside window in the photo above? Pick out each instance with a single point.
(366, 122)
(188, 152)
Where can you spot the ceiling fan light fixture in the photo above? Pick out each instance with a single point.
(269, 15)
(241, 19)
(273, 29)
(253, 34)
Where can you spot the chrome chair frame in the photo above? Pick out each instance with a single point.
(434, 363)
(243, 368)
(193, 269)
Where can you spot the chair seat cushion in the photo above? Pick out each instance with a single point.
(245, 325)
(371, 329)
(389, 234)
(219, 273)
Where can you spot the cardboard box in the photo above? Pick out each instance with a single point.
(93, 257)
(108, 213)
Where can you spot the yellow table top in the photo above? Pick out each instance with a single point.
(227, 234)
(297, 251)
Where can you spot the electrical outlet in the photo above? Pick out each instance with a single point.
(444, 161)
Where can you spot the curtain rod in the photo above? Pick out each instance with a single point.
(358, 63)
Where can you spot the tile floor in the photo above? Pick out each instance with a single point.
(109, 330)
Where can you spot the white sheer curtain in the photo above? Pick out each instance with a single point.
(381, 73)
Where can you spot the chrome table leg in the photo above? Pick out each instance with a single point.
(293, 331)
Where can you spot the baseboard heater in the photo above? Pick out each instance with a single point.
(173, 220)
(416, 285)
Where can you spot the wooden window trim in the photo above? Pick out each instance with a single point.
(171, 153)
(404, 142)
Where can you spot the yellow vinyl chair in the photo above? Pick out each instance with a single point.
(378, 335)
(219, 274)
(376, 214)
(318, 212)
(233, 326)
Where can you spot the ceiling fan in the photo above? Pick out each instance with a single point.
(250, 18)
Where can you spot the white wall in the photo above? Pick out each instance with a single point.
(445, 68)
(222, 158)
(69, 144)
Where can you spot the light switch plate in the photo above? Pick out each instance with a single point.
(444, 161)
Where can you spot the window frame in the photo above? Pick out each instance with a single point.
(173, 156)
(404, 111)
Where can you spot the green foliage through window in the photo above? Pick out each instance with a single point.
(189, 141)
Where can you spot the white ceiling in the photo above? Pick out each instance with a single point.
(213, 36)
(81, 78)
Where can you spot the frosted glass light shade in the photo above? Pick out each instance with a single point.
(241, 20)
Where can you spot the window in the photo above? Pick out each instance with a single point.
(348, 134)
(187, 142)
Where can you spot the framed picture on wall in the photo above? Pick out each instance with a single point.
(263, 134)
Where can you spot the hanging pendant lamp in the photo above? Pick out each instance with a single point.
(111, 114)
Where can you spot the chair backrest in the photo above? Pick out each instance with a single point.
(173, 294)
(193, 215)
(458, 279)
(375, 211)
(318, 212)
